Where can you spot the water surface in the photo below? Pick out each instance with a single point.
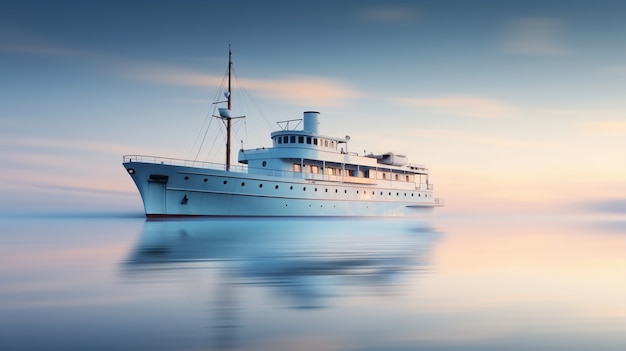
(454, 283)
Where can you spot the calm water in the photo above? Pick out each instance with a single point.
(456, 283)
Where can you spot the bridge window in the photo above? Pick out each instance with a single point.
(300, 139)
(308, 140)
(292, 139)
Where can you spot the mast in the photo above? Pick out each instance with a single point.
(228, 120)
(224, 113)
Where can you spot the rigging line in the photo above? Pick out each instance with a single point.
(206, 131)
(213, 150)
(202, 127)
(248, 97)
(242, 103)
(215, 98)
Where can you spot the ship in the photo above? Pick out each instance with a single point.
(302, 174)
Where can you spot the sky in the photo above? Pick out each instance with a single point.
(512, 106)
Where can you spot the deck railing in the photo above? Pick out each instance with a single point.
(181, 162)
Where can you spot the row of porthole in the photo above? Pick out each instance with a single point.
(326, 189)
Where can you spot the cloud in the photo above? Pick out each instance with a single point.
(316, 91)
(48, 144)
(617, 70)
(40, 50)
(389, 14)
(303, 90)
(536, 37)
(469, 106)
(19, 41)
(606, 127)
(477, 138)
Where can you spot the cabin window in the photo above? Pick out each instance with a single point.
(280, 140)
(330, 170)
(296, 167)
(396, 177)
(292, 139)
(326, 143)
(384, 175)
(308, 140)
(351, 172)
(285, 139)
(314, 141)
(332, 144)
(315, 169)
(407, 179)
(300, 139)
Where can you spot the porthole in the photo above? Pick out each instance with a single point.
(264, 163)
(419, 195)
(390, 193)
(315, 189)
(131, 171)
(276, 187)
(326, 190)
(357, 191)
(225, 182)
(186, 178)
(205, 180)
(260, 185)
(345, 191)
(336, 190)
(303, 188)
(412, 194)
(243, 183)
(291, 187)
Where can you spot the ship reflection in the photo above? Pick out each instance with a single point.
(302, 258)
(303, 263)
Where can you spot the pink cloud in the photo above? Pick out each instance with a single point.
(461, 105)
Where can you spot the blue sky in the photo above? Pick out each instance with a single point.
(511, 106)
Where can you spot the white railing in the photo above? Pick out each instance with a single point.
(182, 162)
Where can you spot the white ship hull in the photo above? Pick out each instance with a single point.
(173, 190)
